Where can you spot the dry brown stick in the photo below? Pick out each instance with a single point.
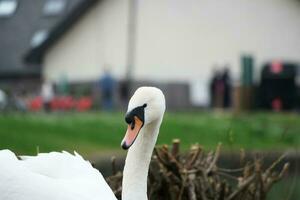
(113, 165)
(274, 164)
(231, 170)
(241, 188)
(169, 168)
(242, 156)
(247, 170)
(208, 177)
(279, 177)
(191, 188)
(215, 159)
(174, 179)
(209, 157)
(193, 171)
(172, 161)
(207, 183)
(159, 156)
(284, 170)
(175, 147)
(203, 195)
(261, 184)
(227, 175)
(221, 191)
(184, 179)
(194, 157)
(165, 147)
(165, 178)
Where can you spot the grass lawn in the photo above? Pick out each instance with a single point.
(93, 132)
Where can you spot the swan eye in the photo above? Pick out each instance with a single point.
(145, 105)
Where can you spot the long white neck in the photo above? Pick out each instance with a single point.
(134, 185)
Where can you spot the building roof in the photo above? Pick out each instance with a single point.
(25, 25)
(35, 55)
(17, 74)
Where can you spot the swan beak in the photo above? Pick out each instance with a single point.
(132, 132)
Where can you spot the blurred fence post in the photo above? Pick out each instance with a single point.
(131, 40)
(246, 88)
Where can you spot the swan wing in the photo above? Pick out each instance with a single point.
(59, 165)
(55, 175)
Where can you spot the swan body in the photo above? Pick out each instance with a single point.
(54, 176)
(64, 176)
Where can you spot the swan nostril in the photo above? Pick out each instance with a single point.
(129, 120)
(132, 125)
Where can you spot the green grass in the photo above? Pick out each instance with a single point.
(93, 132)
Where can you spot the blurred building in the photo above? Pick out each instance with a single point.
(24, 25)
(172, 43)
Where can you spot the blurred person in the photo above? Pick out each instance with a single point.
(107, 86)
(3, 100)
(20, 101)
(47, 94)
(212, 86)
(219, 90)
(216, 89)
(226, 79)
(124, 92)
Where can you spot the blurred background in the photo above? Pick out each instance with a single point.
(229, 70)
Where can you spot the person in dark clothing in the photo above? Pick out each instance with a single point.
(124, 92)
(107, 86)
(212, 90)
(226, 79)
(216, 89)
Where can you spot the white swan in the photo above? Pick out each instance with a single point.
(63, 176)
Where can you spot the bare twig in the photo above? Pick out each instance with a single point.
(196, 175)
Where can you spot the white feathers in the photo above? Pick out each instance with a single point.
(55, 176)
(6, 156)
(59, 165)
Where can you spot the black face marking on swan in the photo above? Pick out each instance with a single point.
(138, 112)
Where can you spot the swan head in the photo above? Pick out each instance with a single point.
(146, 106)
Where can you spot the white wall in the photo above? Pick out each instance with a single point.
(182, 40)
(179, 40)
(97, 40)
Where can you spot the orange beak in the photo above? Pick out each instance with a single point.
(132, 132)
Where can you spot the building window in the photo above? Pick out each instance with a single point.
(8, 7)
(38, 38)
(54, 7)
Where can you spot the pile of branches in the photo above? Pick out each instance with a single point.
(196, 175)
